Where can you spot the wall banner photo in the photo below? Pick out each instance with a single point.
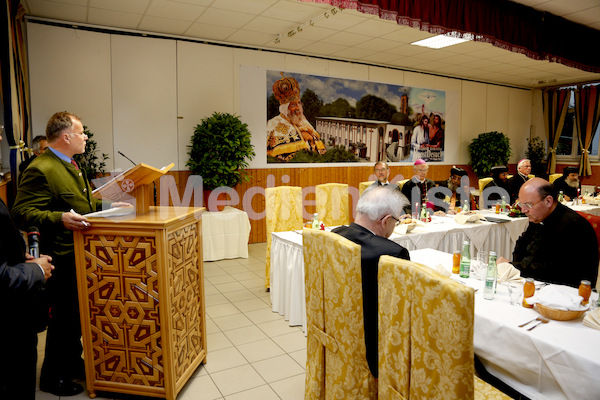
(314, 118)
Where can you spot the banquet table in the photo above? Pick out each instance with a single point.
(225, 234)
(593, 209)
(557, 360)
(443, 233)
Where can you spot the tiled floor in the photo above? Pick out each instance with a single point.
(252, 352)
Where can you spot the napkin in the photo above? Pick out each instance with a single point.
(441, 270)
(592, 319)
(559, 297)
(464, 218)
(508, 273)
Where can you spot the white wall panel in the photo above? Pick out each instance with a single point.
(497, 114)
(205, 85)
(144, 81)
(69, 70)
(519, 123)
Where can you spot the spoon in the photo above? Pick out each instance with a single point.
(542, 321)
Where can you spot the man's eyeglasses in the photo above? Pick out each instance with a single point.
(381, 170)
(397, 220)
(528, 205)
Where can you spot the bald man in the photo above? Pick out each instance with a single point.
(559, 246)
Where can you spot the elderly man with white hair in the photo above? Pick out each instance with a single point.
(514, 184)
(378, 211)
(569, 183)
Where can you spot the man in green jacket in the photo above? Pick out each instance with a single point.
(50, 188)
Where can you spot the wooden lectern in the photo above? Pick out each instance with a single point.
(141, 296)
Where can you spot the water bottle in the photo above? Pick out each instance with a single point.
(561, 196)
(466, 206)
(315, 221)
(503, 206)
(465, 260)
(491, 278)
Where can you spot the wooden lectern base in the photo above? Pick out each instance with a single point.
(141, 299)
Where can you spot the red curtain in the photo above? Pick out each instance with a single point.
(587, 117)
(505, 24)
(556, 105)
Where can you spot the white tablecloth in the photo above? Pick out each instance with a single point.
(444, 234)
(287, 260)
(225, 234)
(586, 208)
(558, 360)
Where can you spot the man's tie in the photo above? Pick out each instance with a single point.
(74, 163)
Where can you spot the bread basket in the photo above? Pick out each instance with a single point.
(558, 315)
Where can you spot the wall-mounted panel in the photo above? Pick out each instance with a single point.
(144, 81)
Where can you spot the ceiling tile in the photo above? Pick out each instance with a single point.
(225, 18)
(377, 44)
(174, 10)
(294, 11)
(129, 6)
(344, 39)
(207, 31)
(375, 27)
(164, 25)
(322, 48)
(60, 11)
(246, 6)
(250, 37)
(113, 18)
(271, 25)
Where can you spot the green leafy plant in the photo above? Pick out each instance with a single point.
(89, 161)
(220, 150)
(536, 153)
(489, 149)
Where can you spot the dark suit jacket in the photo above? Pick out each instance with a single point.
(49, 187)
(20, 281)
(389, 185)
(514, 185)
(372, 247)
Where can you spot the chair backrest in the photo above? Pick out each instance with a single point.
(283, 212)
(332, 203)
(395, 299)
(439, 347)
(336, 363)
(594, 220)
(363, 185)
(553, 177)
(483, 182)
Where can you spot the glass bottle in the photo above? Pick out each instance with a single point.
(585, 290)
(503, 205)
(561, 196)
(491, 278)
(465, 260)
(466, 206)
(423, 213)
(528, 291)
(315, 221)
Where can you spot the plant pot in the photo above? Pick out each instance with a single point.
(217, 202)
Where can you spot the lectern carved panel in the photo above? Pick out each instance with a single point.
(184, 283)
(123, 297)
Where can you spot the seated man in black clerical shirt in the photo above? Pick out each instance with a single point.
(538, 252)
(377, 213)
(569, 183)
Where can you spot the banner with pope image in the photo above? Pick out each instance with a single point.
(314, 118)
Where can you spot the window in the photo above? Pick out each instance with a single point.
(568, 144)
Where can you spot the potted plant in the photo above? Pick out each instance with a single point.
(536, 152)
(89, 161)
(489, 149)
(220, 150)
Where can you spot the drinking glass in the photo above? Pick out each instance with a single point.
(479, 265)
(515, 291)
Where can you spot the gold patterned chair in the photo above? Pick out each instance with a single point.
(426, 327)
(483, 182)
(553, 177)
(283, 209)
(332, 203)
(363, 185)
(402, 182)
(336, 363)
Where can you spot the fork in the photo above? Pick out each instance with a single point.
(528, 322)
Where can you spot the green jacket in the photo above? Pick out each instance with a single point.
(48, 188)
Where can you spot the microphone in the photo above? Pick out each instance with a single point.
(119, 151)
(33, 238)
